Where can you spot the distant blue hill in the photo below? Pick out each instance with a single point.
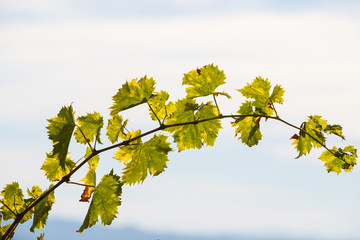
(60, 230)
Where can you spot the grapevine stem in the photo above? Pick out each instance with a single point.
(95, 152)
(80, 184)
(154, 113)
(217, 106)
(87, 140)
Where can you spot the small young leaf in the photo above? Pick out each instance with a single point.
(35, 192)
(132, 94)
(223, 94)
(334, 129)
(203, 81)
(115, 128)
(248, 126)
(60, 130)
(259, 90)
(159, 106)
(41, 237)
(89, 126)
(277, 94)
(105, 201)
(94, 161)
(42, 210)
(139, 159)
(53, 170)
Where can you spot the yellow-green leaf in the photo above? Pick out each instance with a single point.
(196, 134)
(89, 126)
(203, 81)
(159, 106)
(132, 94)
(60, 130)
(41, 211)
(339, 159)
(15, 203)
(141, 158)
(115, 128)
(105, 201)
(53, 170)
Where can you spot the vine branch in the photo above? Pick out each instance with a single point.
(66, 178)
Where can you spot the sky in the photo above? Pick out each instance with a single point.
(56, 53)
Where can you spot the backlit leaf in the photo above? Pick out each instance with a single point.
(132, 94)
(41, 211)
(189, 136)
(334, 129)
(203, 81)
(311, 136)
(339, 159)
(94, 161)
(248, 126)
(35, 192)
(159, 106)
(105, 201)
(115, 128)
(60, 130)
(89, 126)
(141, 158)
(15, 203)
(53, 170)
(259, 91)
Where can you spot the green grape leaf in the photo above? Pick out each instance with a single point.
(60, 130)
(94, 161)
(53, 170)
(15, 203)
(315, 127)
(189, 136)
(115, 128)
(248, 126)
(249, 129)
(41, 211)
(132, 94)
(208, 129)
(141, 158)
(90, 178)
(277, 94)
(334, 129)
(203, 81)
(35, 192)
(159, 106)
(259, 91)
(105, 201)
(339, 159)
(302, 144)
(89, 126)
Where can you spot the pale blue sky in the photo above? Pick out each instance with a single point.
(62, 52)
